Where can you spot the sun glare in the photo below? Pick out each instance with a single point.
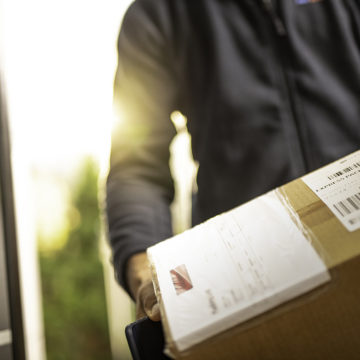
(60, 60)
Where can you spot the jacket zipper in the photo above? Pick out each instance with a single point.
(275, 19)
(282, 36)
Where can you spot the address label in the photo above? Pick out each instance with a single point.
(338, 186)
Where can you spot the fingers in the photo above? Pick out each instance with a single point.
(141, 287)
(154, 314)
(146, 302)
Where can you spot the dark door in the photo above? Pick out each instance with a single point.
(11, 324)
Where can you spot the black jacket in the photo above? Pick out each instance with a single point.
(271, 90)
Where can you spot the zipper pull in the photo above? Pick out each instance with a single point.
(278, 23)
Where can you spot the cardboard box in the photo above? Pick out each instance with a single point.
(323, 323)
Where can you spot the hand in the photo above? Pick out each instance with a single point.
(139, 279)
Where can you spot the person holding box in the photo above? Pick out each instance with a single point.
(270, 90)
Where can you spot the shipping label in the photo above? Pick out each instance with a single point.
(232, 268)
(338, 186)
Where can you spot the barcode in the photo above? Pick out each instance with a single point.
(344, 171)
(348, 205)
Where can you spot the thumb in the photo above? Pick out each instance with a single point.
(154, 312)
(146, 303)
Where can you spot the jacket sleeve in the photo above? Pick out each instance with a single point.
(139, 184)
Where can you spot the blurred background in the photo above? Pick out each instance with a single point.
(58, 60)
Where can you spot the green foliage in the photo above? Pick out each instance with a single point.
(72, 282)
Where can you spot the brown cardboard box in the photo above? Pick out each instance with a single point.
(322, 324)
